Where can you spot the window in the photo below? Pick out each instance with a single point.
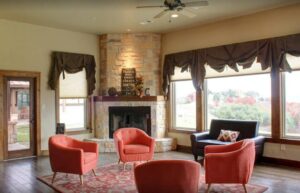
(73, 105)
(291, 100)
(183, 105)
(72, 112)
(246, 97)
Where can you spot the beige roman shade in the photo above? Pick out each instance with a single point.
(294, 61)
(255, 69)
(178, 75)
(74, 85)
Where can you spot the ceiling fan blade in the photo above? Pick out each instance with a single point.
(187, 13)
(161, 14)
(151, 6)
(196, 3)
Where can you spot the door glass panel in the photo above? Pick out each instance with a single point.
(19, 115)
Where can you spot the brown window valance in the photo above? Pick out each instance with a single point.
(268, 52)
(72, 63)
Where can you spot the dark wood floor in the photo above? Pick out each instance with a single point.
(19, 176)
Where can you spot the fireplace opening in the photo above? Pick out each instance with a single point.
(122, 117)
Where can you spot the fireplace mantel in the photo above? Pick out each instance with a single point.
(128, 98)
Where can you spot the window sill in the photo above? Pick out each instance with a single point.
(182, 131)
(284, 141)
(77, 132)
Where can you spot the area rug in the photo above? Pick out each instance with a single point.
(112, 179)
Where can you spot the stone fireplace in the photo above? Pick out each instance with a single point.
(121, 117)
(140, 51)
(153, 108)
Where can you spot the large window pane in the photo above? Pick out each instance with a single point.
(72, 112)
(292, 104)
(184, 105)
(241, 97)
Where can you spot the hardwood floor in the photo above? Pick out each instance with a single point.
(20, 175)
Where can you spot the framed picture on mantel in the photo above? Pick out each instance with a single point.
(128, 79)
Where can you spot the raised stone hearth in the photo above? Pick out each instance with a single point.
(161, 144)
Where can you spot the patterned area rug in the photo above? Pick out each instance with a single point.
(112, 179)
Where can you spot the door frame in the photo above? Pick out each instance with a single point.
(36, 105)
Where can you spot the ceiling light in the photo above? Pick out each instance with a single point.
(128, 30)
(174, 15)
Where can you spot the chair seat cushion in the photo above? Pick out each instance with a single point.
(202, 143)
(89, 157)
(136, 148)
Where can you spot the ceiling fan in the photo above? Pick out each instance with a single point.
(177, 6)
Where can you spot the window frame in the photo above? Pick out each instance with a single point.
(88, 113)
(283, 107)
(85, 127)
(205, 105)
(172, 108)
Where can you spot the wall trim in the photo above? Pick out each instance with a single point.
(283, 162)
(184, 148)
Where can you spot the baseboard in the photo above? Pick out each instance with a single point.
(184, 149)
(283, 162)
(44, 153)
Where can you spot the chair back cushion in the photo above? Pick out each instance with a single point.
(129, 135)
(247, 129)
(167, 176)
(61, 140)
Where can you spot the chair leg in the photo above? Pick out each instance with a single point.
(195, 157)
(54, 175)
(81, 179)
(94, 172)
(66, 174)
(244, 185)
(124, 164)
(208, 187)
(119, 161)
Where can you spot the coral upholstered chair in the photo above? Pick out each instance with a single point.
(229, 163)
(133, 144)
(167, 176)
(68, 155)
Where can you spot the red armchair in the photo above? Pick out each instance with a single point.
(133, 144)
(68, 155)
(229, 163)
(167, 176)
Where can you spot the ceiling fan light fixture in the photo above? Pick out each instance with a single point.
(174, 15)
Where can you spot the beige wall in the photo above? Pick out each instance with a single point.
(28, 47)
(277, 22)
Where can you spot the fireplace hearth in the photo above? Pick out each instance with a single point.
(122, 117)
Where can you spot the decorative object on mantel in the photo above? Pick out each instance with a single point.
(72, 63)
(128, 81)
(138, 87)
(147, 91)
(112, 91)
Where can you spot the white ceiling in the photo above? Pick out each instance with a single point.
(119, 16)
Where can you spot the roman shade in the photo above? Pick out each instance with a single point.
(72, 63)
(269, 53)
(73, 85)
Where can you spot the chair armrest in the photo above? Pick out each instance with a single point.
(222, 148)
(86, 146)
(199, 136)
(259, 140)
(65, 157)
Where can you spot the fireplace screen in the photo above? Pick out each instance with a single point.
(121, 117)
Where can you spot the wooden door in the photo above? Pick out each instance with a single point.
(20, 119)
